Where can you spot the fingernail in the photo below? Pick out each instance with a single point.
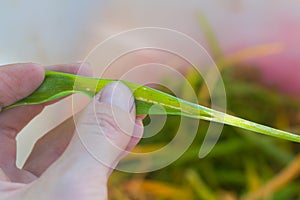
(119, 95)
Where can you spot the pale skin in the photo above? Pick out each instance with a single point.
(60, 167)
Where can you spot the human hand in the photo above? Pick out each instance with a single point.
(60, 167)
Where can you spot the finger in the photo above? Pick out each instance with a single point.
(103, 132)
(9, 123)
(137, 134)
(42, 156)
(83, 69)
(18, 81)
(50, 147)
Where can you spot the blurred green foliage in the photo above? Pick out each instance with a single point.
(242, 164)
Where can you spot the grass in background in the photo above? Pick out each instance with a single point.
(242, 164)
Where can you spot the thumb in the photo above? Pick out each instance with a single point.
(103, 131)
(106, 127)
